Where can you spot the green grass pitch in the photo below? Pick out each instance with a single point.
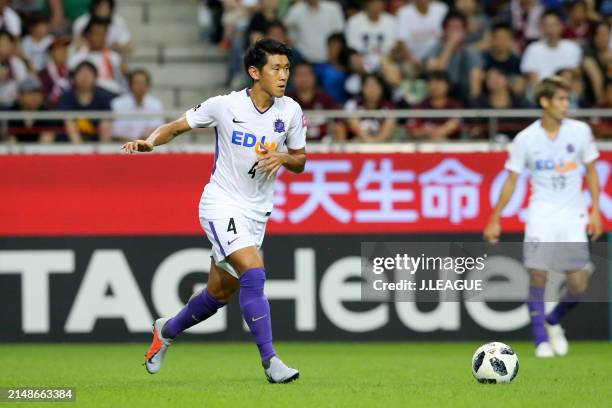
(332, 375)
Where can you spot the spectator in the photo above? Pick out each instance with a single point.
(55, 76)
(211, 23)
(332, 75)
(278, 32)
(107, 62)
(260, 20)
(573, 78)
(498, 95)
(137, 100)
(373, 97)
(372, 33)
(235, 19)
(34, 45)
(578, 27)
(30, 99)
(463, 64)
(117, 37)
(54, 8)
(12, 70)
(356, 72)
(419, 25)
(477, 23)
(603, 126)
(85, 96)
(310, 23)
(310, 97)
(9, 19)
(439, 98)
(545, 57)
(501, 56)
(597, 63)
(525, 17)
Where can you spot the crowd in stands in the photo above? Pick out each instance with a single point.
(347, 54)
(70, 56)
(425, 54)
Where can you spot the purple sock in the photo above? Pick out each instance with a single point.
(199, 308)
(568, 302)
(256, 310)
(535, 303)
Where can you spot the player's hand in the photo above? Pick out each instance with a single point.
(595, 226)
(270, 161)
(137, 146)
(492, 231)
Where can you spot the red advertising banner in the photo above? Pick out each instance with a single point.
(157, 194)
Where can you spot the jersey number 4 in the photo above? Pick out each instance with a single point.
(252, 171)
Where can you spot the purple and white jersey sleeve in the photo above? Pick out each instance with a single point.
(517, 158)
(205, 114)
(296, 134)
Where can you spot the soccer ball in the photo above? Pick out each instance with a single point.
(495, 363)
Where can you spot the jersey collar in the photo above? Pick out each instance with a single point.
(248, 94)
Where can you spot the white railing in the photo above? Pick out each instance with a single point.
(195, 143)
(328, 114)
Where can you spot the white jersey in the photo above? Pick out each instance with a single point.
(241, 130)
(555, 168)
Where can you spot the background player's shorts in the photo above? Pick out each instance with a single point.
(559, 246)
(229, 232)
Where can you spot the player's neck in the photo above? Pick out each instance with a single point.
(550, 125)
(261, 99)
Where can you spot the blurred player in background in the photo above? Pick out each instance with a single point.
(250, 125)
(553, 149)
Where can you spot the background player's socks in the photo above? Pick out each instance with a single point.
(568, 302)
(535, 303)
(256, 310)
(200, 307)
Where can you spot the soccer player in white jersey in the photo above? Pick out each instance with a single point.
(253, 127)
(553, 149)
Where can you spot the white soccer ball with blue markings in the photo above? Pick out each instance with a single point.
(495, 363)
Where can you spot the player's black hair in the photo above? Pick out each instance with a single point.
(551, 12)
(454, 15)
(257, 54)
(84, 65)
(95, 3)
(502, 25)
(138, 71)
(96, 21)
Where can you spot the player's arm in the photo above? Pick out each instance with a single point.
(294, 161)
(595, 226)
(493, 229)
(162, 135)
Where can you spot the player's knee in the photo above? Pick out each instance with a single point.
(253, 280)
(222, 295)
(577, 288)
(537, 278)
